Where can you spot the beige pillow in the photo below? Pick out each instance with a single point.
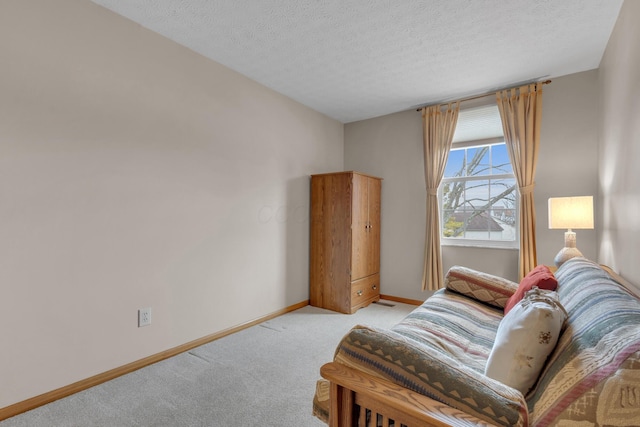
(525, 338)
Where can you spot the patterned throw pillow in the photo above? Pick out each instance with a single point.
(484, 287)
(540, 276)
(525, 338)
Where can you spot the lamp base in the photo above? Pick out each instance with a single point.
(566, 254)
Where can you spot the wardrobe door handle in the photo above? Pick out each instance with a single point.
(374, 287)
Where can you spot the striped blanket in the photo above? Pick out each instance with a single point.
(440, 349)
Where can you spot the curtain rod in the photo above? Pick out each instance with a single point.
(470, 98)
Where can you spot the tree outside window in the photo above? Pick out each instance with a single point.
(478, 197)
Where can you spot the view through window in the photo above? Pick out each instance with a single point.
(478, 194)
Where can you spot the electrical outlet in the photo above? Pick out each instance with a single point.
(144, 317)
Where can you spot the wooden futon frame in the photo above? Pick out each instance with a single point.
(358, 399)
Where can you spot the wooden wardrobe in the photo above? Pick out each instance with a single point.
(345, 241)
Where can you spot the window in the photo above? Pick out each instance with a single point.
(478, 194)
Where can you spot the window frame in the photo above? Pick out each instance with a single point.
(479, 243)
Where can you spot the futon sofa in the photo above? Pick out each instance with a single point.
(431, 368)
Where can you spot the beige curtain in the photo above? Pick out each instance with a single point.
(438, 129)
(521, 113)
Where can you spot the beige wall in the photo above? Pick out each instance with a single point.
(568, 160)
(619, 78)
(135, 173)
(388, 147)
(391, 147)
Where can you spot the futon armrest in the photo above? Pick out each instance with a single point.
(424, 370)
(484, 287)
(403, 406)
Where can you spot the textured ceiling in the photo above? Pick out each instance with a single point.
(357, 59)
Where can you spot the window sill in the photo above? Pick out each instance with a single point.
(479, 245)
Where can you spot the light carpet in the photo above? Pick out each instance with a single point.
(264, 375)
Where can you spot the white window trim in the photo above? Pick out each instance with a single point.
(479, 243)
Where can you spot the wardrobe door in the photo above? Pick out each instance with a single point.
(373, 230)
(360, 252)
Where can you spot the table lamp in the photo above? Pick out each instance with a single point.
(570, 213)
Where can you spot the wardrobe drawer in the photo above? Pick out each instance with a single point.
(364, 290)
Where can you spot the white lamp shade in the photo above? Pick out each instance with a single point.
(571, 212)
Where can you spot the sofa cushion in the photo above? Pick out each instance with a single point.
(525, 338)
(541, 276)
(453, 325)
(487, 288)
(610, 402)
(603, 332)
